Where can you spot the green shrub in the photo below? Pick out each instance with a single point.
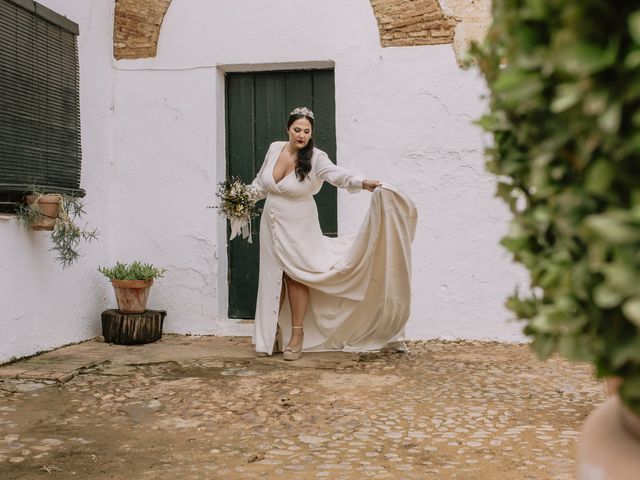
(564, 81)
(134, 271)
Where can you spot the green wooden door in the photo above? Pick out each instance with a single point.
(257, 109)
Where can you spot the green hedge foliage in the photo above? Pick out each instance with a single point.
(564, 81)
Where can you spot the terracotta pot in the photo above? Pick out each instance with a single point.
(609, 448)
(132, 294)
(48, 205)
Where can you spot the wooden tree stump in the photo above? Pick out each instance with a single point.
(132, 328)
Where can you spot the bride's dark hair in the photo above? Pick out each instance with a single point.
(303, 162)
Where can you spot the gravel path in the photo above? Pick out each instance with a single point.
(464, 410)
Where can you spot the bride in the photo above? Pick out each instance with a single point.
(348, 293)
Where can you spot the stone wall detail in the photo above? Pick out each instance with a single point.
(404, 23)
(137, 27)
(474, 18)
(401, 23)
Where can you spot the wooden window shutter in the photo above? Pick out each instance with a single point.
(39, 100)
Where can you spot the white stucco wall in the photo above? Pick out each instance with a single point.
(403, 115)
(153, 148)
(44, 306)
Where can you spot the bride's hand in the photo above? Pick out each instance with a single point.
(370, 185)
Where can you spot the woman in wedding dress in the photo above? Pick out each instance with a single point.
(350, 293)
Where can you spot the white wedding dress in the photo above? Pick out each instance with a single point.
(359, 285)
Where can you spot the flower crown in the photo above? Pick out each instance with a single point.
(302, 111)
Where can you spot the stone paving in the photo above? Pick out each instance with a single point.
(205, 408)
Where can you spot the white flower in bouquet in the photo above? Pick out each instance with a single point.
(238, 205)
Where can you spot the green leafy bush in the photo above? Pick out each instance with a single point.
(134, 271)
(564, 80)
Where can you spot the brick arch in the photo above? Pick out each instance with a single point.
(404, 23)
(401, 23)
(136, 27)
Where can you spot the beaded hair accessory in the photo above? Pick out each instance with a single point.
(302, 111)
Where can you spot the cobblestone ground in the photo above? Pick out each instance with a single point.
(462, 410)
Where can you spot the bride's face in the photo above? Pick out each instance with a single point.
(300, 133)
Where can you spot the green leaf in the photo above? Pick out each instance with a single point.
(550, 276)
(623, 277)
(631, 309)
(567, 95)
(516, 239)
(586, 59)
(518, 85)
(536, 9)
(632, 60)
(599, 177)
(504, 190)
(574, 348)
(605, 296)
(613, 228)
(632, 92)
(634, 142)
(522, 308)
(595, 102)
(544, 346)
(634, 26)
(556, 322)
(610, 119)
(625, 353)
(493, 123)
(542, 214)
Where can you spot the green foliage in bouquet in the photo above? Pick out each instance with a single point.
(237, 199)
(133, 271)
(564, 80)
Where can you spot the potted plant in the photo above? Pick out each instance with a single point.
(564, 81)
(58, 213)
(40, 211)
(132, 323)
(131, 284)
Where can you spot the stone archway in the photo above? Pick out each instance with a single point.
(137, 27)
(404, 23)
(401, 23)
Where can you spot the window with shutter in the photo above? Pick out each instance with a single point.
(39, 102)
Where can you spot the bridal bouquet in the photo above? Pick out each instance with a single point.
(238, 205)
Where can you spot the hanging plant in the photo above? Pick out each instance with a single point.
(59, 213)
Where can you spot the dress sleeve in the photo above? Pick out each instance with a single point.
(338, 176)
(257, 182)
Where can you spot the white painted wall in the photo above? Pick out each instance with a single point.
(153, 145)
(404, 115)
(44, 306)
